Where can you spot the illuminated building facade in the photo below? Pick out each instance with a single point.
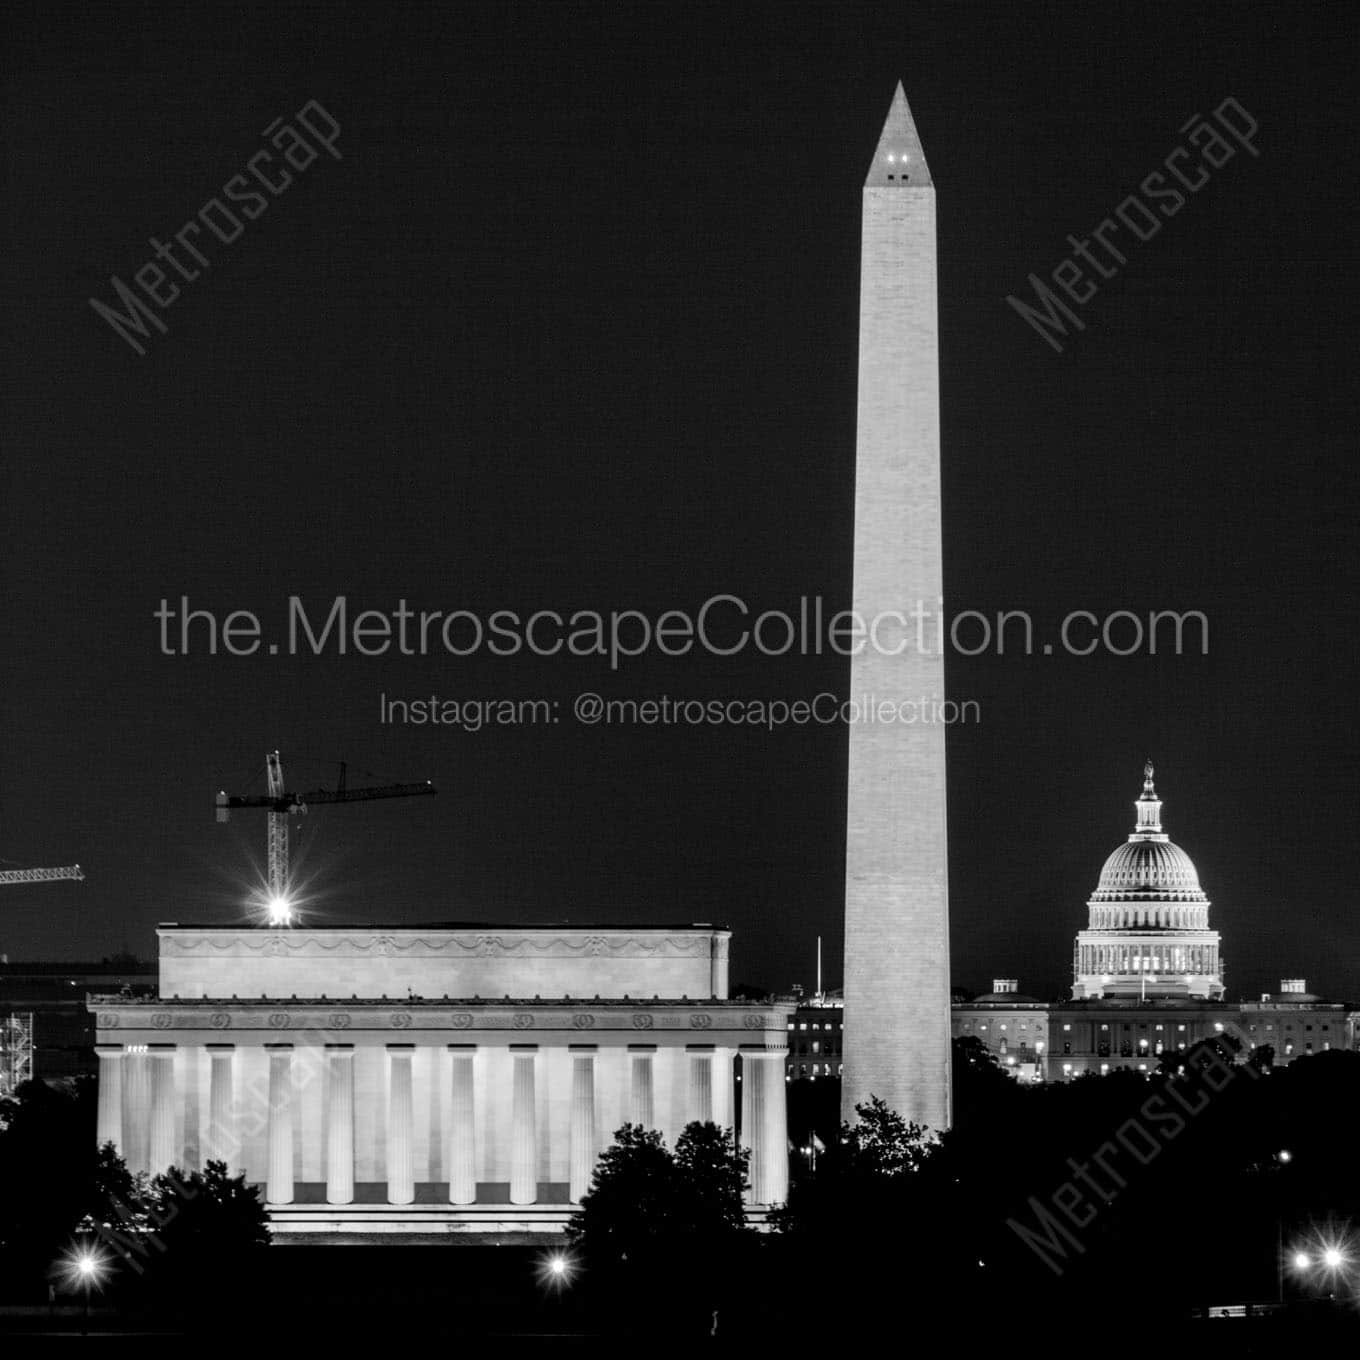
(1148, 934)
(816, 1039)
(439, 1079)
(1012, 1026)
(1147, 981)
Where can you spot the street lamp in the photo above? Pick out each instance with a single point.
(556, 1270)
(85, 1268)
(1327, 1256)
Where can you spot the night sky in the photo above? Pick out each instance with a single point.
(572, 324)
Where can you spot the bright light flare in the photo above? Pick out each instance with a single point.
(557, 1269)
(85, 1268)
(280, 910)
(1329, 1251)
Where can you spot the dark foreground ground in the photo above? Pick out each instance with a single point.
(405, 1295)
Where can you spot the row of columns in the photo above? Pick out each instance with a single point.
(1159, 958)
(1131, 916)
(147, 1100)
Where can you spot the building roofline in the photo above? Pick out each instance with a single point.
(387, 928)
(115, 999)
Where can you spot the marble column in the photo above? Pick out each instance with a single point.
(699, 1107)
(764, 1124)
(221, 1144)
(340, 1124)
(400, 1120)
(641, 1104)
(461, 1160)
(582, 1133)
(109, 1122)
(279, 1186)
(136, 1111)
(523, 1127)
(162, 1153)
(723, 1088)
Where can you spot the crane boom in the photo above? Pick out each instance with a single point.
(299, 802)
(42, 875)
(279, 805)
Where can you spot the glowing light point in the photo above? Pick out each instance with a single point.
(280, 911)
(1332, 1258)
(1301, 1260)
(85, 1268)
(556, 1269)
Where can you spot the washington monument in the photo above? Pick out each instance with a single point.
(896, 874)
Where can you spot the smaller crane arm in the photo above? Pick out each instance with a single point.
(42, 875)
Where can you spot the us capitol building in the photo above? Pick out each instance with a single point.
(1147, 979)
(1149, 920)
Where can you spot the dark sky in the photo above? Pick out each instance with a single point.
(572, 325)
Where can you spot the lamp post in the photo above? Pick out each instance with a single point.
(1282, 1159)
(556, 1270)
(85, 1269)
(1327, 1255)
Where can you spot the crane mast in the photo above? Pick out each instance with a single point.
(279, 805)
(277, 843)
(16, 1027)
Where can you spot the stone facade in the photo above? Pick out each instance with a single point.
(485, 961)
(896, 885)
(418, 1103)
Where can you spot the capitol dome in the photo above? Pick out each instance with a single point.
(1148, 867)
(1149, 870)
(1148, 934)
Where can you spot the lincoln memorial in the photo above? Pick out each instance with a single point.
(434, 1080)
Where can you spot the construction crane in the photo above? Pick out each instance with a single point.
(16, 1027)
(42, 875)
(279, 805)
